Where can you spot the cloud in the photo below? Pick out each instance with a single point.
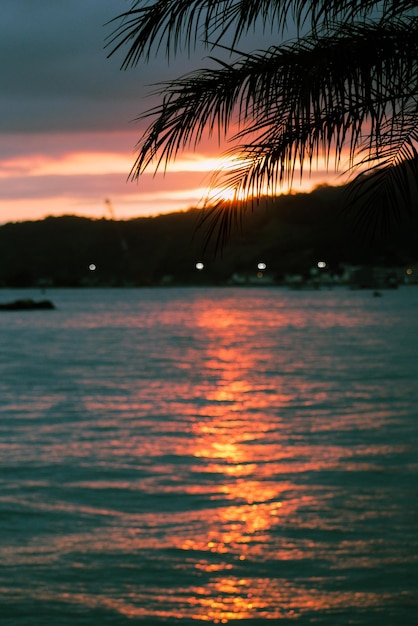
(72, 172)
(67, 134)
(56, 74)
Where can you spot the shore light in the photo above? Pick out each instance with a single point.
(199, 266)
(322, 265)
(261, 266)
(92, 267)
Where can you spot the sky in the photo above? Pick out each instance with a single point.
(68, 125)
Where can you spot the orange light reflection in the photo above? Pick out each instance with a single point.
(247, 477)
(222, 601)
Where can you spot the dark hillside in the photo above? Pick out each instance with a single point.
(289, 234)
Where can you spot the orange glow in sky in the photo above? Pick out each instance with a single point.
(58, 175)
(69, 127)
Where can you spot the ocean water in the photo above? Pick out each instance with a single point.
(209, 456)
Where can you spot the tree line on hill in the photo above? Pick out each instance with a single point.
(289, 234)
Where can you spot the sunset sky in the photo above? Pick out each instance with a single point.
(67, 129)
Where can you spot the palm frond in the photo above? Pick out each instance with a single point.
(348, 84)
(381, 195)
(219, 219)
(311, 97)
(179, 24)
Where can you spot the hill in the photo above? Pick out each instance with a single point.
(289, 234)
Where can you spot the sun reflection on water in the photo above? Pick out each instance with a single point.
(213, 462)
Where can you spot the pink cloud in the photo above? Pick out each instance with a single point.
(73, 173)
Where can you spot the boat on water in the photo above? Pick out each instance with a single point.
(27, 305)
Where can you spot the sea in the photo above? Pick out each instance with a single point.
(242, 456)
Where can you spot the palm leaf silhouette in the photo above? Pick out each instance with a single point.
(344, 92)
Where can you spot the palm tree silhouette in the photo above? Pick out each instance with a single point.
(343, 91)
